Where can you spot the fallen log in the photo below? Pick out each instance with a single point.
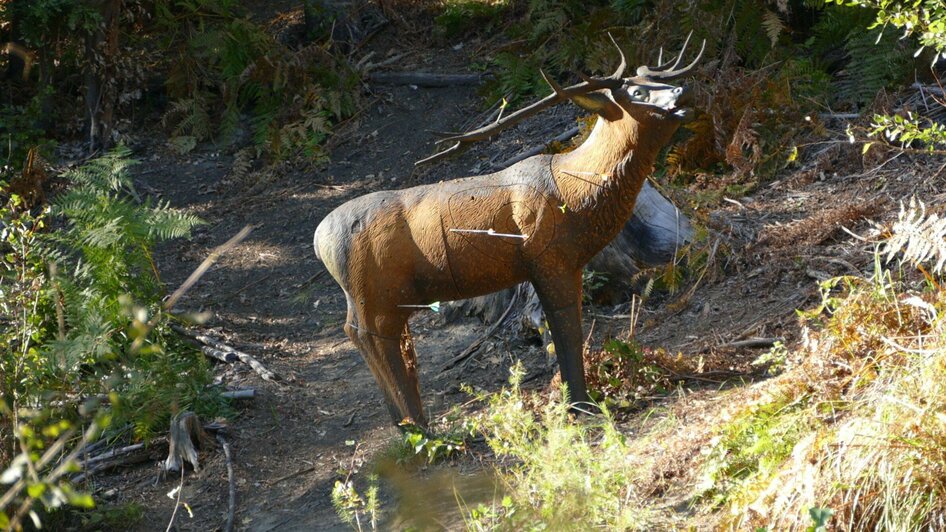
(244, 393)
(425, 79)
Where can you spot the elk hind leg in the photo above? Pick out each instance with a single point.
(389, 353)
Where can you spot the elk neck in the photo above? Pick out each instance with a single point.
(602, 177)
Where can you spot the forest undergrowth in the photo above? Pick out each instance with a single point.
(848, 433)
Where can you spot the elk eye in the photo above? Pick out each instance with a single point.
(639, 94)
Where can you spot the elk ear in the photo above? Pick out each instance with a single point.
(597, 102)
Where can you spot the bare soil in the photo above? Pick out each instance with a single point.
(267, 296)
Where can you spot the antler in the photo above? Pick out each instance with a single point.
(667, 71)
(559, 94)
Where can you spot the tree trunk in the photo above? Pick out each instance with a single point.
(101, 48)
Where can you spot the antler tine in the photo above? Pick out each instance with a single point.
(619, 73)
(559, 94)
(556, 88)
(672, 72)
(660, 56)
(683, 50)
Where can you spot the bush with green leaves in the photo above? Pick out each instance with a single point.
(560, 472)
(84, 332)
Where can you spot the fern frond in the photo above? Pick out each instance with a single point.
(873, 65)
(920, 238)
(773, 25)
(165, 223)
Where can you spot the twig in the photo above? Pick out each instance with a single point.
(231, 480)
(188, 284)
(308, 282)
(251, 283)
(206, 264)
(177, 503)
(291, 475)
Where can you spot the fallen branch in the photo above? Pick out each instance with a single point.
(245, 393)
(122, 456)
(425, 79)
(292, 475)
(753, 342)
(479, 341)
(231, 481)
(218, 350)
(534, 151)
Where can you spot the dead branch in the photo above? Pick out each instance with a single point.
(231, 481)
(122, 456)
(425, 79)
(218, 350)
(753, 342)
(244, 393)
(479, 341)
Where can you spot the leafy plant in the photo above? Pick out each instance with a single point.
(432, 447)
(560, 472)
(353, 508)
(230, 67)
(621, 374)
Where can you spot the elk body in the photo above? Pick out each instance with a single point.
(540, 220)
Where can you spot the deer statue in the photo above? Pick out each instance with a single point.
(540, 220)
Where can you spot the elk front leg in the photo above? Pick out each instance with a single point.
(561, 300)
(390, 356)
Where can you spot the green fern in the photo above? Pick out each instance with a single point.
(875, 61)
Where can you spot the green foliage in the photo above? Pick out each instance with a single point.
(819, 518)
(754, 444)
(37, 473)
(591, 281)
(432, 447)
(82, 318)
(774, 360)
(357, 510)
(875, 61)
(622, 374)
(927, 18)
(561, 473)
(20, 129)
(229, 66)
(907, 131)
(465, 16)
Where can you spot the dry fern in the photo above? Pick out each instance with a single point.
(919, 237)
(815, 229)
